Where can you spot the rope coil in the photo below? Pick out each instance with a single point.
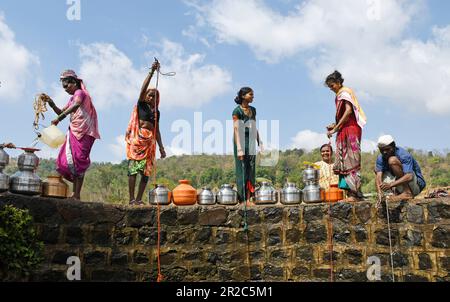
(39, 107)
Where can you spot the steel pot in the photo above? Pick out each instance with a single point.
(266, 194)
(227, 196)
(54, 186)
(160, 195)
(26, 181)
(4, 158)
(4, 179)
(206, 197)
(311, 174)
(313, 193)
(291, 194)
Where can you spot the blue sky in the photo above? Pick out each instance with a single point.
(395, 54)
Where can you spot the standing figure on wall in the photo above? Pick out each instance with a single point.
(245, 135)
(350, 120)
(141, 138)
(74, 157)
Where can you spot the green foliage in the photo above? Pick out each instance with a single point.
(20, 251)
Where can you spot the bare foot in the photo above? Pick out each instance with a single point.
(249, 204)
(351, 199)
(401, 197)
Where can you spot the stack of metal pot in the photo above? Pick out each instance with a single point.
(227, 196)
(206, 197)
(4, 179)
(266, 194)
(291, 194)
(312, 192)
(160, 195)
(26, 181)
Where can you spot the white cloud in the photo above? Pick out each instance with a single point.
(309, 140)
(365, 40)
(195, 83)
(112, 80)
(16, 63)
(118, 149)
(368, 145)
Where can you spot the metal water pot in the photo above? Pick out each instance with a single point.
(206, 197)
(227, 196)
(313, 193)
(311, 174)
(160, 195)
(26, 181)
(266, 194)
(4, 179)
(291, 194)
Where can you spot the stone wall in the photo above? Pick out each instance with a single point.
(209, 243)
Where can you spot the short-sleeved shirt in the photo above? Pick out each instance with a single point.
(409, 164)
(239, 113)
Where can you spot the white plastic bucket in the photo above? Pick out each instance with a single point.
(52, 137)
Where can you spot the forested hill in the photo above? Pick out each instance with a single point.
(108, 182)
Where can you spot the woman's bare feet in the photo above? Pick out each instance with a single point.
(400, 197)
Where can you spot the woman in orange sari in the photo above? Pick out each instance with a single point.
(350, 120)
(141, 138)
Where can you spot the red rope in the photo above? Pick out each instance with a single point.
(160, 277)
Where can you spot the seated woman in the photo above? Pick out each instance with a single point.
(327, 176)
(141, 137)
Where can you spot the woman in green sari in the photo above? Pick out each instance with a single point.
(245, 135)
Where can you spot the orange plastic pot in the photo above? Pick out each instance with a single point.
(334, 194)
(184, 194)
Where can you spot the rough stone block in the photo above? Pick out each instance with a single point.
(203, 235)
(294, 215)
(305, 253)
(95, 258)
(415, 214)
(342, 211)
(353, 256)
(273, 271)
(413, 238)
(213, 217)
(360, 233)
(312, 213)
(74, 235)
(224, 237)
(273, 214)
(49, 234)
(315, 233)
(301, 271)
(363, 212)
(293, 235)
(425, 262)
(169, 216)
(274, 236)
(437, 210)
(139, 217)
(188, 216)
(441, 237)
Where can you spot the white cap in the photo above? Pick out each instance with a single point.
(385, 140)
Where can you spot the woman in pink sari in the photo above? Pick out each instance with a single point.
(73, 159)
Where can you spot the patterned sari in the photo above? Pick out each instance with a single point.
(348, 143)
(74, 156)
(141, 146)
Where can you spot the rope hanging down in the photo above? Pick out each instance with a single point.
(160, 277)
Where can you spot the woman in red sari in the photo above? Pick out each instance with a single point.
(350, 120)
